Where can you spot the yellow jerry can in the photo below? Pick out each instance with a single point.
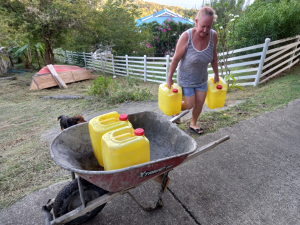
(124, 147)
(102, 124)
(216, 93)
(169, 99)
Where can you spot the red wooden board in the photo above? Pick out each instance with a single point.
(60, 68)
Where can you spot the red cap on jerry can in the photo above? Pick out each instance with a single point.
(175, 90)
(139, 132)
(219, 86)
(123, 117)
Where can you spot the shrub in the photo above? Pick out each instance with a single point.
(100, 86)
(122, 90)
(269, 19)
(166, 36)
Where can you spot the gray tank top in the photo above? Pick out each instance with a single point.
(192, 68)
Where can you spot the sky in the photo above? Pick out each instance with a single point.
(184, 4)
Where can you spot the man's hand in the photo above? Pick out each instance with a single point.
(216, 78)
(169, 82)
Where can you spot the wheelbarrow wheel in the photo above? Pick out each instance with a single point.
(68, 199)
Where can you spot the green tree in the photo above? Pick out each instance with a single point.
(227, 37)
(113, 25)
(225, 7)
(49, 21)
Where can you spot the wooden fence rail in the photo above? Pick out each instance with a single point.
(250, 66)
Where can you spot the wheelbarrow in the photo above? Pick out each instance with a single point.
(85, 196)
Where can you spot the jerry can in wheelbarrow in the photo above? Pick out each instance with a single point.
(124, 147)
(102, 124)
(169, 99)
(216, 93)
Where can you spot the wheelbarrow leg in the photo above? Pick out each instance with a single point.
(159, 203)
(46, 211)
(80, 187)
(73, 175)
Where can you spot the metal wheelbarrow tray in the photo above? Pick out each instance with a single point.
(169, 147)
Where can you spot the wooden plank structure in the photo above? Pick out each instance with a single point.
(64, 73)
(56, 77)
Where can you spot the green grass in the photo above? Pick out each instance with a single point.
(266, 97)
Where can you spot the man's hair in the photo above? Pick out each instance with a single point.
(206, 11)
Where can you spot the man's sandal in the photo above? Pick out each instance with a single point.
(197, 131)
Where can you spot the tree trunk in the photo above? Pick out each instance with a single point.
(5, 63)
(38, 58)
(49, 56)
(26, 61)
(43, 58)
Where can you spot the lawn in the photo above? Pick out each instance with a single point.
(25, 162)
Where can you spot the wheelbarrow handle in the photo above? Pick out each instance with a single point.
(206, 148)
(175, 118)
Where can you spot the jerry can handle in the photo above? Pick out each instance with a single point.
(123, 135)
(168, 87)
(107, 120)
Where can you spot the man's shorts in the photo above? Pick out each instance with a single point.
(190, 91)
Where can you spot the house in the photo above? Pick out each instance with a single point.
(163, 15)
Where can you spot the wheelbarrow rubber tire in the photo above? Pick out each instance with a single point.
(69, 198)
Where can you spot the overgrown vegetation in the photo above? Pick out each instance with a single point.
(119, 91)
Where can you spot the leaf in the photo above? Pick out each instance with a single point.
(240, 87)
(20, 51)
(40, 46)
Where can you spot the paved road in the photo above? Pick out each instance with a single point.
(254, 178)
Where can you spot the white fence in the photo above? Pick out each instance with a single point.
(249, 66)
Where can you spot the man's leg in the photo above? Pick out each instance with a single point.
(199, 101)
(188, 102)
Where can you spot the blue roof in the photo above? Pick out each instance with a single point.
(163, 15)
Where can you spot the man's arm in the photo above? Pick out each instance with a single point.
(180, 50)
(214, 62)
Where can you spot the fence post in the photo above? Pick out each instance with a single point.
(262, 59)
(78, 59)
(93, 61)
(167, 66)
(113, 64)
(127, 69)
(293, 49)
(66, 57)
(145, 68)
(102, 65)
(84, 59)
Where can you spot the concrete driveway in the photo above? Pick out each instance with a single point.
(254, 178)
